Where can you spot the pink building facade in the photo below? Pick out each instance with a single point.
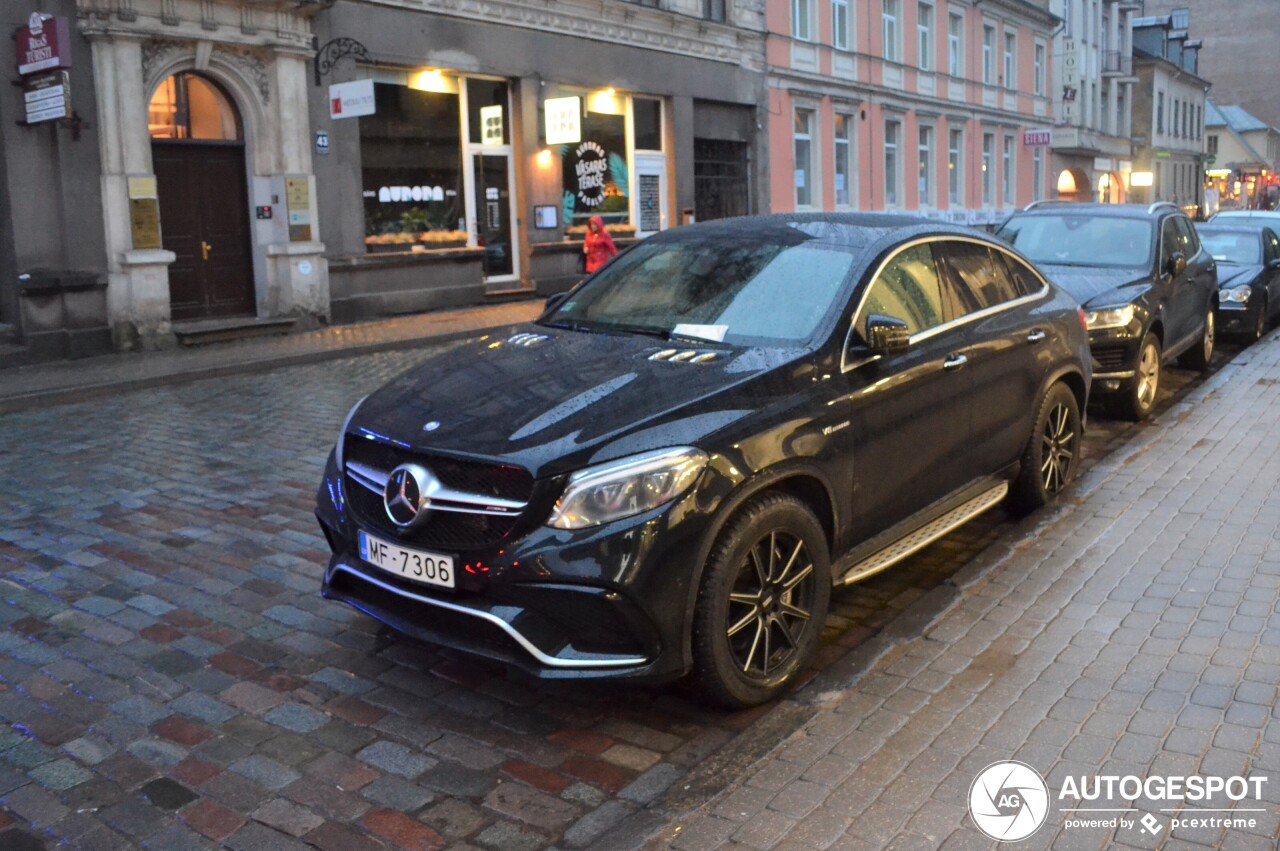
(929, 107)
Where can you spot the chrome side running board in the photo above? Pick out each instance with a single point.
(923, 537)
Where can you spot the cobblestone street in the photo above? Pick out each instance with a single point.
(171, 678)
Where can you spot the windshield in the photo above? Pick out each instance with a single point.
(762, 291)
(1071, 239)
(1228, 247)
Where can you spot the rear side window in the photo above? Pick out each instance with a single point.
(907, 288)
(1024, 280)
(980, 277)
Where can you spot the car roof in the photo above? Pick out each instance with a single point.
(1267, 215)
(1092, 208)
(1234, 227)
(857, 231)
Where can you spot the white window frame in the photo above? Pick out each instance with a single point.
(892, 164)
(802, 20)
(955, 167)
(844, 149)
(955, 45)
(1037, 173)
(841, 25)
(810, 178)
(1038, 69)
(892, 32)
(924, 35)
(926, 185)
(1010, 59)
(988, 168)
(988, 54)
(1008, 172)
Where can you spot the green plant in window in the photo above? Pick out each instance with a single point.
(413, 220)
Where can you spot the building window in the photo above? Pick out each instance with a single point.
(840, 35)
(844, 162)
(1038, 70)
(1159, 112)
(1010, 60)
(955, 159)
(804, 157)
(1173, 128)
(924, 32)
(988, 54)
(1212, 143)
(891, 129)
(955, 45)
(889, 18)
(988, 167)
(1037, 174)
(801, 20)
(925, 168)
(1006, 172)
(713, 10)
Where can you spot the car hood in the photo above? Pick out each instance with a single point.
(1098, 287)
(1234, 274)
(552, 400)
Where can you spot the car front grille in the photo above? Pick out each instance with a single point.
(1111, 359)
(450, 529)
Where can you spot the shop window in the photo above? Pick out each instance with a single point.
(597, 180)
(646, 116)
(411, 168)
(188, 106)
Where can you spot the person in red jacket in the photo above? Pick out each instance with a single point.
(599, 245)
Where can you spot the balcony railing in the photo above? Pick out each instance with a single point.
(1114, 62)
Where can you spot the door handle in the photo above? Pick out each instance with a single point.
(1036, 336)
(205, 248)
(954, 362)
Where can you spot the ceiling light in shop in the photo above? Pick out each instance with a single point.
(433, 81)
(606, 102)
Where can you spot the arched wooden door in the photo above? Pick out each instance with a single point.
(197, 152)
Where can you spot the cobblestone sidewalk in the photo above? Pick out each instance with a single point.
(1135, 632)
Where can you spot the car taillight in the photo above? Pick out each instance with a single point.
(1083, 322)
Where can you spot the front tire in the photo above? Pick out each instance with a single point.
(761, 603)
(1138, 400)
(1200, 356)
(1053, 452)
(1260, 327)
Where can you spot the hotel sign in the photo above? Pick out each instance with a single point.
(43, 44)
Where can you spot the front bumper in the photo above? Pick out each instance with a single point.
(1236, 318)
(604, 602)
(1114, 353)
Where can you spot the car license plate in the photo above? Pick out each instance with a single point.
(414, 565)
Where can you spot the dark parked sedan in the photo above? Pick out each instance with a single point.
(670, 470)
(1248, 255)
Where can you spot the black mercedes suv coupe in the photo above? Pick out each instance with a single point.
(1148, 288)
(669, 471)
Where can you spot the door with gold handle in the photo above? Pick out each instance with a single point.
(205, 248)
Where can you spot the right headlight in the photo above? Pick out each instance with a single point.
(626, 487)
(1109, 317)
(1239, 294)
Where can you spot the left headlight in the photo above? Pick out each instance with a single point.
(1239, 294)
(1109, 317)
(626, 487)
(342, 435)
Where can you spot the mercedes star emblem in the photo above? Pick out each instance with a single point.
(405, 496)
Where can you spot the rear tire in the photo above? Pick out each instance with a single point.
(1201, 355)
(1053, 452)
(1138, 399)
(761, 603)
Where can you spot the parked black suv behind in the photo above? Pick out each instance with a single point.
(1148, 288)
(670, 470)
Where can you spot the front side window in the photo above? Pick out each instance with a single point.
(771, 289)
(988, 54)
(840, 36)
(1010, 61)
(925, 167)
(889, 18)
(924, 32)
(955, 45)
(1070, 239)
(955, 157)
(907, 288)
(844, 158)
(891, 129)
(804, 157)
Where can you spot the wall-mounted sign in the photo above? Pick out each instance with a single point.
(43, 44)
(47, 96)
(297, 194)
(351, 100)
(544, 217)
(491, 125)
(1037, 138)
(322, 142)
(564, 120)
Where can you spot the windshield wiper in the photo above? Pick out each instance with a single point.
(645, 330)
(569, 326)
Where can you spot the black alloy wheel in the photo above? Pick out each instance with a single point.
(1053, 451)
(762, 602)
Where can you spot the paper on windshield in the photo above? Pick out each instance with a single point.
(702, 332)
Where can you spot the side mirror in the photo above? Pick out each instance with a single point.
(554, 302)
(1177, 264)
(887, 335)
(1274, 263)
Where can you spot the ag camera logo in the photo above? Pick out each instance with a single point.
(1008, 801)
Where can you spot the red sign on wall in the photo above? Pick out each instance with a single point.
(43, 44)
(1037, 138)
